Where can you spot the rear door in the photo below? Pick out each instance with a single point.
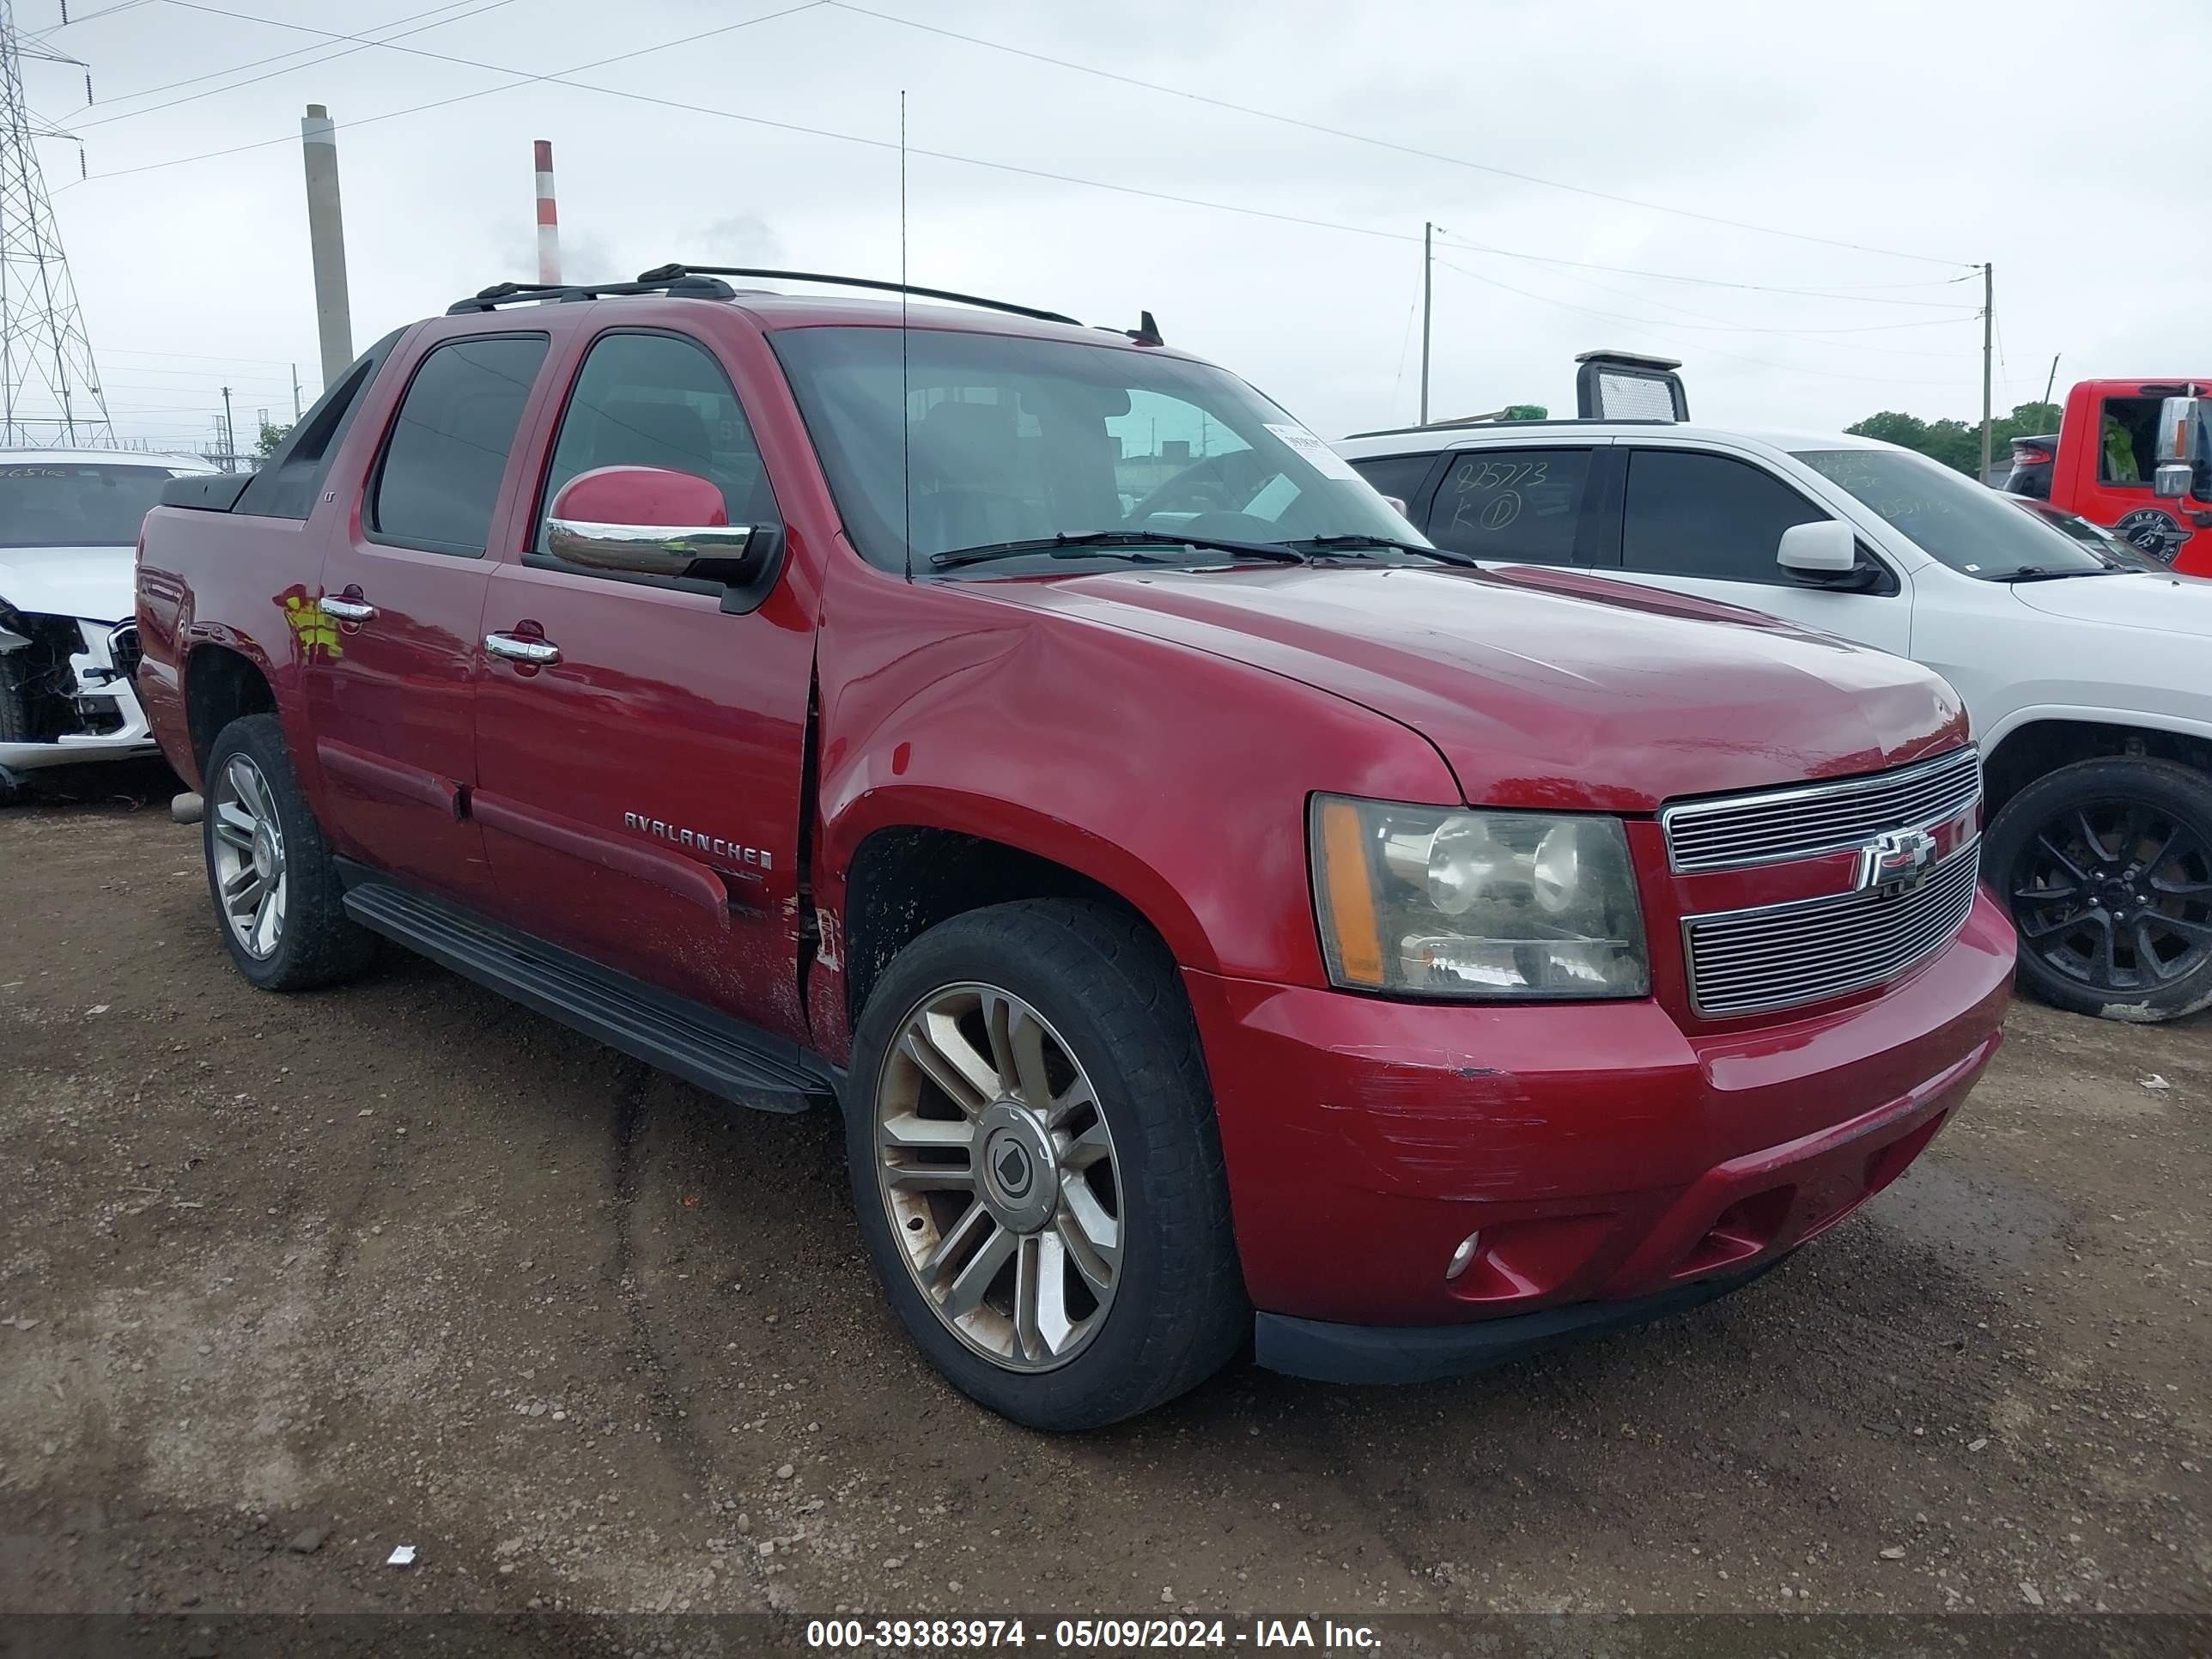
(639, 797)
(393, 637)
(1522, 503)
(1701, 521)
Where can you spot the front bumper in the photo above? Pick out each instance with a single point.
(1329, 1353)
(93, 715)
(1601, 1154)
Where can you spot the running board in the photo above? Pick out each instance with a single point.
(722, 1055)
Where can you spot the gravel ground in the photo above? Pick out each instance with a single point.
(287, 1282)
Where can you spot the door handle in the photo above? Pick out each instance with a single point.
(538, 653)
(353, 610)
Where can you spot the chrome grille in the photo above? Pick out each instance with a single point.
(1747, 962)
(1811, 819)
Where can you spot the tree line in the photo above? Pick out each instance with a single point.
(1958, 443)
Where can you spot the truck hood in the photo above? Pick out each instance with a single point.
(1541, 687)
(2171, 605)
(91, 582)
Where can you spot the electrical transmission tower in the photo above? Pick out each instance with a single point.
(49, 386)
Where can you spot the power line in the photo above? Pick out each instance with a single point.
(1379, 144)
(1714, 351)
(523, 79)
(235, 68)
(1748, 328)
(563, 77)
(1716, 282)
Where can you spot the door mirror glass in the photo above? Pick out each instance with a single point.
(1825, 548)
(646, 521)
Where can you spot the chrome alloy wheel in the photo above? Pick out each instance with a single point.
(998, 1172)
(247, 845)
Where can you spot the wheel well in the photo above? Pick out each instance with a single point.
(220, 685)
(904, 881)
(2043, 746)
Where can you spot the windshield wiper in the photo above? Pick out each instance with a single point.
(1087, 542)
(2036, 572)
(1337, 543)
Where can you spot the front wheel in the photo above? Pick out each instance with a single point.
(1036, 1168)
(2107, 867)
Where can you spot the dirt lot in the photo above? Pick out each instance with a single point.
(287, 1282)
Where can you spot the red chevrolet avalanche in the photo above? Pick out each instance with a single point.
(1218, 915)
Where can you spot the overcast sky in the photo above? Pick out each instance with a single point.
(2072, 155)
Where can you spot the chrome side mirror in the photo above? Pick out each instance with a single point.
(2181, 446)
(644, 521)
(643, 549)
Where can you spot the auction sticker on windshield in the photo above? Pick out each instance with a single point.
(1325, 461)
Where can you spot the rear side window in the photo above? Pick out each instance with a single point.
(1691, 514)
(438, 480)
(1518, 505)
(658, 400)
(1398, 476)
(285, 487)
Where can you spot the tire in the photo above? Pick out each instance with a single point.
(312, 941)
(2117, 848)
(1103, 1002)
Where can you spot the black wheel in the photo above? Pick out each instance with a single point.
(2107, 866)
(1036, 1167)
(270, 872)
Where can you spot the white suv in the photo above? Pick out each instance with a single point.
(69, 642)
(2090, 685)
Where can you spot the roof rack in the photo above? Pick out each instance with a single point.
(678, 287)
(678, 272)
(1469, 423)
(681, 281)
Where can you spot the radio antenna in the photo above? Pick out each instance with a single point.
(906, 408)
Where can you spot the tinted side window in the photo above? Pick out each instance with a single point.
(285, 487)
(1400, 476)
(1522, 505)
(658, 400)
(1688, 514)
(440, 477)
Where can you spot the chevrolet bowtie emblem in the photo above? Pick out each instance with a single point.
(1896, 861)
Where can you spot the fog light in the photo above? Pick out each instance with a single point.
(1462, 1256)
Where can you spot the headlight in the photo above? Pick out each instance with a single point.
(1438, 902)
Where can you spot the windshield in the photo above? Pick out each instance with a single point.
(1971, 529)
(72, 504)
(2094, 536)
(1009, 440)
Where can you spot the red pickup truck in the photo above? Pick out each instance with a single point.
(2104, 461)
(1218, 915)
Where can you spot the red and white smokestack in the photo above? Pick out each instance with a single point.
(549, 220)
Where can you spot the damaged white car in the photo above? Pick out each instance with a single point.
(69, 532)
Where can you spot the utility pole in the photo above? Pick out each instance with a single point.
(2053, 380)
(1989, 323)
(318, 144)
(49, 385)
(1428, 269)
(295, 393)
(229, 436)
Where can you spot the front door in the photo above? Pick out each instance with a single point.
(1709, 524)
(391, 696)
(640, 794)
(2115, 483)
